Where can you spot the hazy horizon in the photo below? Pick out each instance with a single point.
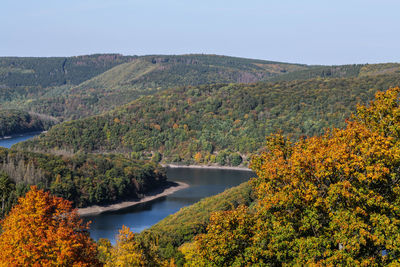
(308, 32)
(111, 53)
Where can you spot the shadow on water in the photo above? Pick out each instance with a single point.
(202, 182)
(145, 206)
(7, 142)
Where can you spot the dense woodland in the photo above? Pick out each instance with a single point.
(43, 72)
(84, 179)
(219, 123)
(17, 122)
(23, 80)
(340, 71)
(326, 200)
(71, 88)
(76, 87)
(327, 185)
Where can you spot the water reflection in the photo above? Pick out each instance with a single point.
(8, 142)
(203, 183)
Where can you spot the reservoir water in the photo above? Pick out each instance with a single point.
(9, 141)
(202, 183)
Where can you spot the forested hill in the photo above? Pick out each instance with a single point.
(23, 80)
(213, 123)
(146, 75)
(18, 122)
(43, 72)
(83, 179)
(339, 71)
(77, 87)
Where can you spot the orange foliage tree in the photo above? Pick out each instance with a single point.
(44, 230)
(329, 200)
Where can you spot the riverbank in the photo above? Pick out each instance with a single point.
(95, 210)
(11, 136)
(207, 167)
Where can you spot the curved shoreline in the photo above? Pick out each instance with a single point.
(96, 210)
(207, 167)
(11, 136)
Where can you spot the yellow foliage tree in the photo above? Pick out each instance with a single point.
(126, 252)
(329, 200)
(198, 157)
(130, 252)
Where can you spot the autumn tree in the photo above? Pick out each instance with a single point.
(104, 249)
(44, 230)
(131, 252)
(329, 200)
(226, 241)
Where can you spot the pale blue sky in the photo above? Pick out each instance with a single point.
(301, 31)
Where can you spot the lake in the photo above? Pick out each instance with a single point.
(202, 183)
(8, 142)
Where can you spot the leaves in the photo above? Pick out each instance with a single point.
(44, 230)
(215, 118)
(130, 252)
(86, 179)
(328, 200)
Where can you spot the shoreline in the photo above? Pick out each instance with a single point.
(11, 136)
(96, 209)
(207, 167)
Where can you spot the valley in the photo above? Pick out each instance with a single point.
(110, 123)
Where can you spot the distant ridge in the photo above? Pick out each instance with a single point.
(216, 123)
(78, 87)
(88, 85)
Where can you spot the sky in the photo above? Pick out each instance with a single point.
(296, 31)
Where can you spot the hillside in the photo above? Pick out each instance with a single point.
(213, 123)
(83, 179)
(30, 77)
(144, 75)
(77, 87)
(17, 122)
(339, 71)
(329, 200)
(182, 226)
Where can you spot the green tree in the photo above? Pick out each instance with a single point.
(235, 159)
(329, 200)
(156, 157)
(6, 188)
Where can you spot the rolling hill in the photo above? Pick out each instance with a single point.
(216, 123)
(138, 76)
(77, 87)
(340, 71)
(30, 77)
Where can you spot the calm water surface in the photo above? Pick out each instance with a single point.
(8, 142)
(202, 183)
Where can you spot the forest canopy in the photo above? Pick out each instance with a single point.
(84, 179)
(215, 124)
(327, 200)
(18, 122)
